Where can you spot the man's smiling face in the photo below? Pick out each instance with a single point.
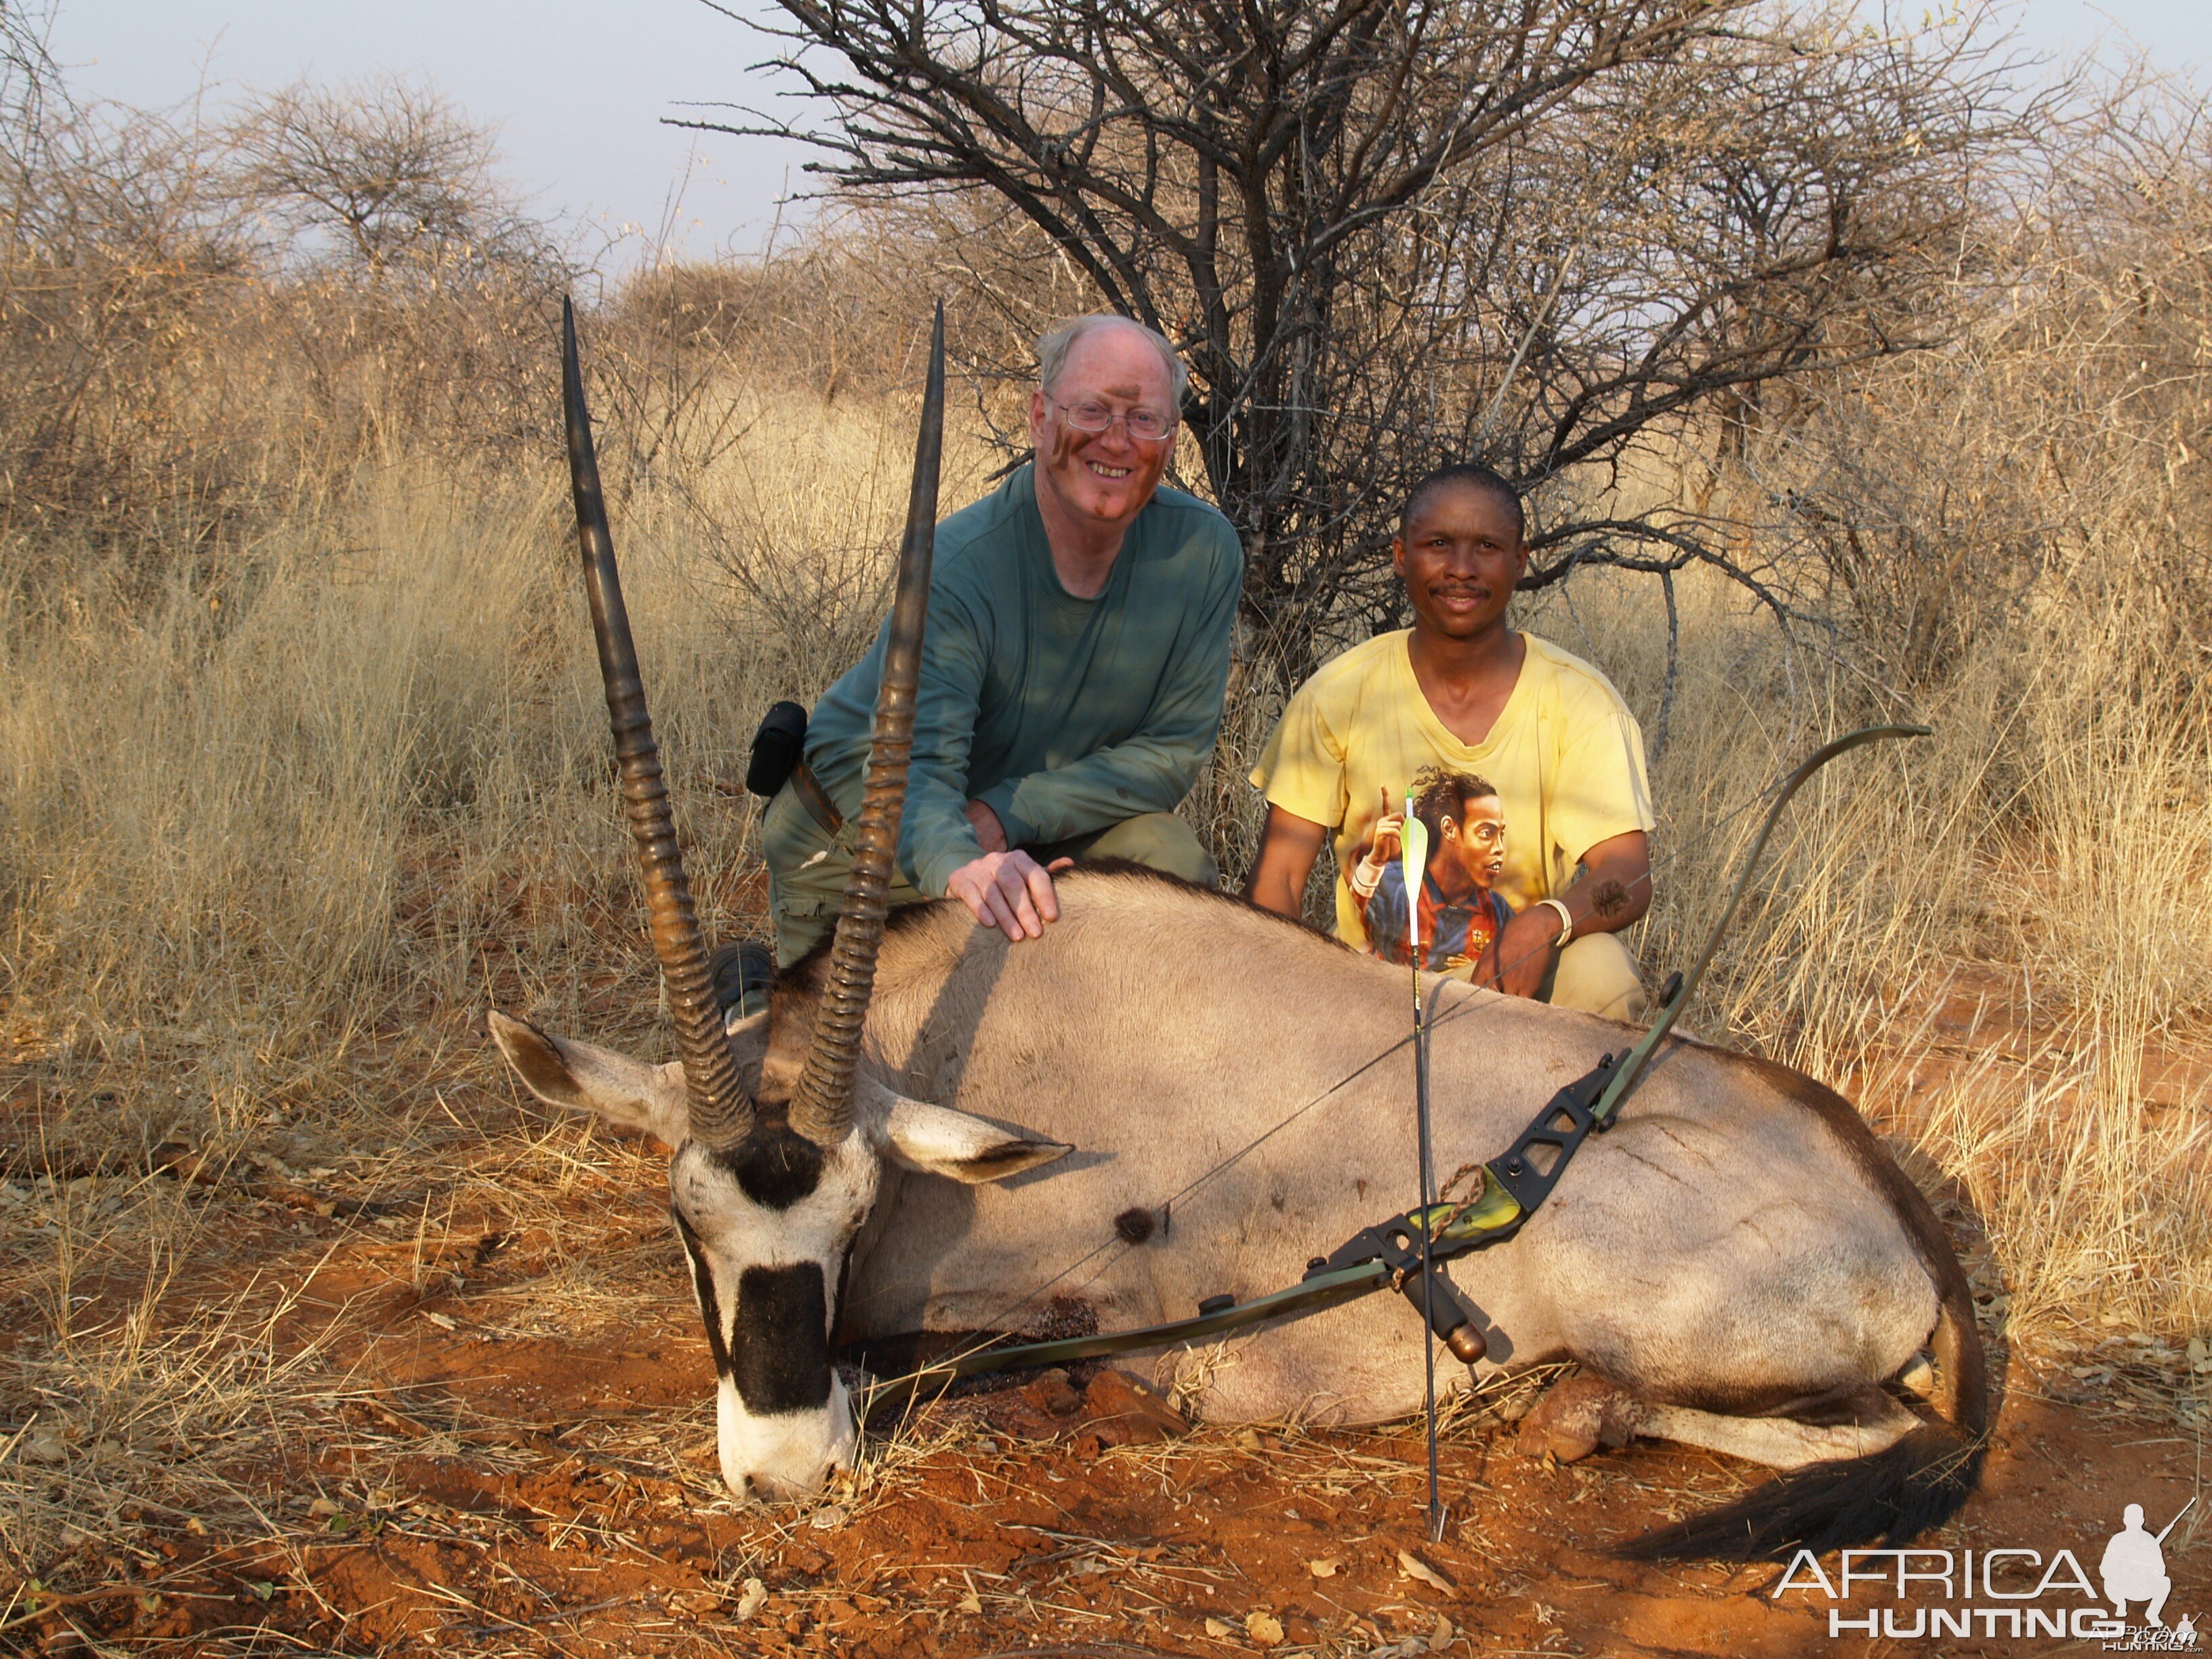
(1461, 554)
(1102, 479)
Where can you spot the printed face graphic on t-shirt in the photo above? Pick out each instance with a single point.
(1475, 840)
(1459, 911)
(1564, 763)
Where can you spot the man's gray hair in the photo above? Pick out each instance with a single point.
(1056, 342)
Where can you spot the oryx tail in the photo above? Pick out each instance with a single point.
(1891, 1496)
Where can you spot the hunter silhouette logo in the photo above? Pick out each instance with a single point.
(2134, 1568)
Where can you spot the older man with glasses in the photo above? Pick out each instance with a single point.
(1072, 673)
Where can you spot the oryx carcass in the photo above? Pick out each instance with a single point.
(932, 1130)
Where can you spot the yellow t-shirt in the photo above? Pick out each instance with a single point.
(1566, 758)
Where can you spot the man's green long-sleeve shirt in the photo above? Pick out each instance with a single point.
(1063, 715)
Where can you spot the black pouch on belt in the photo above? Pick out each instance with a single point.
(777, 747)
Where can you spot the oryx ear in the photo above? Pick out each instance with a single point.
(625, 1092)
(937, 1140)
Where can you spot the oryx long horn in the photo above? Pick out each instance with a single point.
(721, 1113)
(821, 1107)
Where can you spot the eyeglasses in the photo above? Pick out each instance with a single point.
(1145, 426)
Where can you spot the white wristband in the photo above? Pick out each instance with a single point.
(1566, 923)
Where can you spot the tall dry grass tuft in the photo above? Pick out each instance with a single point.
(212, 805)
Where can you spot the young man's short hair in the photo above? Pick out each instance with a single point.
(1472, 473)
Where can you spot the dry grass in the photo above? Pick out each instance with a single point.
(316, 792)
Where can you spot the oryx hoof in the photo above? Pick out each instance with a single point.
(1120, 1411)
(1575, 1417)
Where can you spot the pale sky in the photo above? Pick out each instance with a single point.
(577, 91)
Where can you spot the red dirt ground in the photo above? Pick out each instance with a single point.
(488, 1490)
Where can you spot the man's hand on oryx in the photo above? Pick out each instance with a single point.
(1010, 891)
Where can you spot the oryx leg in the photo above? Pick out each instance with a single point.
(1581, 1413)
(1778, 1441)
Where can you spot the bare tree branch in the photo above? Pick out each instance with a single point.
(1391, 233)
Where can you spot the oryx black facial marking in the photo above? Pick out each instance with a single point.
(776, 1166)
(782, 1358)
(703, 1283)
(778, 1350)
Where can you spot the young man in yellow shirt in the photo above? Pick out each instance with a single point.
(1462, 691)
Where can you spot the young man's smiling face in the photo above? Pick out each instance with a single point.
(1460, 552)
(1104, 479)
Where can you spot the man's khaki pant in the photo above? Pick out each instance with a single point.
(807, 867)
(1596, 974)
